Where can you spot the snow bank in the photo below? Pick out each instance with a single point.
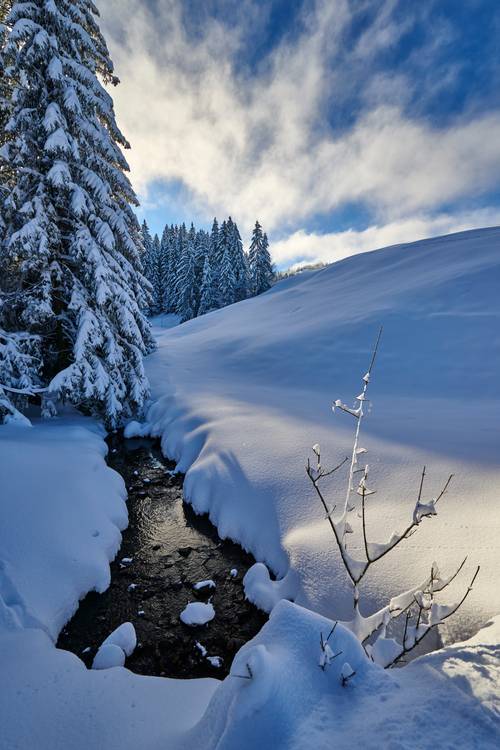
(61, 513)
(278, 697)
(50, 701)
(241, 395)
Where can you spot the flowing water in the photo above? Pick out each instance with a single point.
(166, 549)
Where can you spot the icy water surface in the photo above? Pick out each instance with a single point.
(171, 549)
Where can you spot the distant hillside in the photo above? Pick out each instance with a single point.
(241, 394)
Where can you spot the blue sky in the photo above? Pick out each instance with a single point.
(341, 125)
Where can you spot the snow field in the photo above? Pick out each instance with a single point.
(241, 395)
(240, 402)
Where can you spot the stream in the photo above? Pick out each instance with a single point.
(166, 549)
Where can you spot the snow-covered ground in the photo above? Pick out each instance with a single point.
(61, 512)
(241, 395)
(447, 700)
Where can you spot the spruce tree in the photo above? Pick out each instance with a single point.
(166, 246)
(214, 252)
(171, 246)
(267, 273)
(6, 88)
(156, 276)
(186, 303)
(226, 280)
(239, 261)
(179, 250)
(261, 271)
(71, 246)
(208, 299)
(6, 83)
(147, 256)
(201, 251)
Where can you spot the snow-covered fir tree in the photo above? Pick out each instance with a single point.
(261, 270)
(208, 297)
(201, 252)
(170, 282)
(147, 255)
(71, 246)
(226, 279)
(213, 250)
(168, 267)
(156, 276)
(180, 248)
(220, 273)
(239, 261)
(19, 351)
(6, 85)
(5, 81)
(185, 288)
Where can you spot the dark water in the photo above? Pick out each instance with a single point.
(171, 549)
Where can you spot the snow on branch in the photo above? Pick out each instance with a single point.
(19, 356)
(417, 608)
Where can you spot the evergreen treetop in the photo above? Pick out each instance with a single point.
(261, 272)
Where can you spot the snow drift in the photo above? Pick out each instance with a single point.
(61, 513)
(277, 696)
(241, 395)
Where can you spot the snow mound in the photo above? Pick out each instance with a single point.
(240, 395)
(197, 613)
(113, 650)
(109, 655)
(277, 696)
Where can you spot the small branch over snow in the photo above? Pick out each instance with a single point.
(418, 607)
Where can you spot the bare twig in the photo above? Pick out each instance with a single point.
(429, 626)
(416, 606)
(344, 678)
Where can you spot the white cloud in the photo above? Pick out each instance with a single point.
(310, 247)
(261, 146)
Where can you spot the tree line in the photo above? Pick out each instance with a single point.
(193, 271)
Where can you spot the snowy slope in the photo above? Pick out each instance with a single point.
(241, 394)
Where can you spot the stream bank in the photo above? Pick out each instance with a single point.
(166, 550)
